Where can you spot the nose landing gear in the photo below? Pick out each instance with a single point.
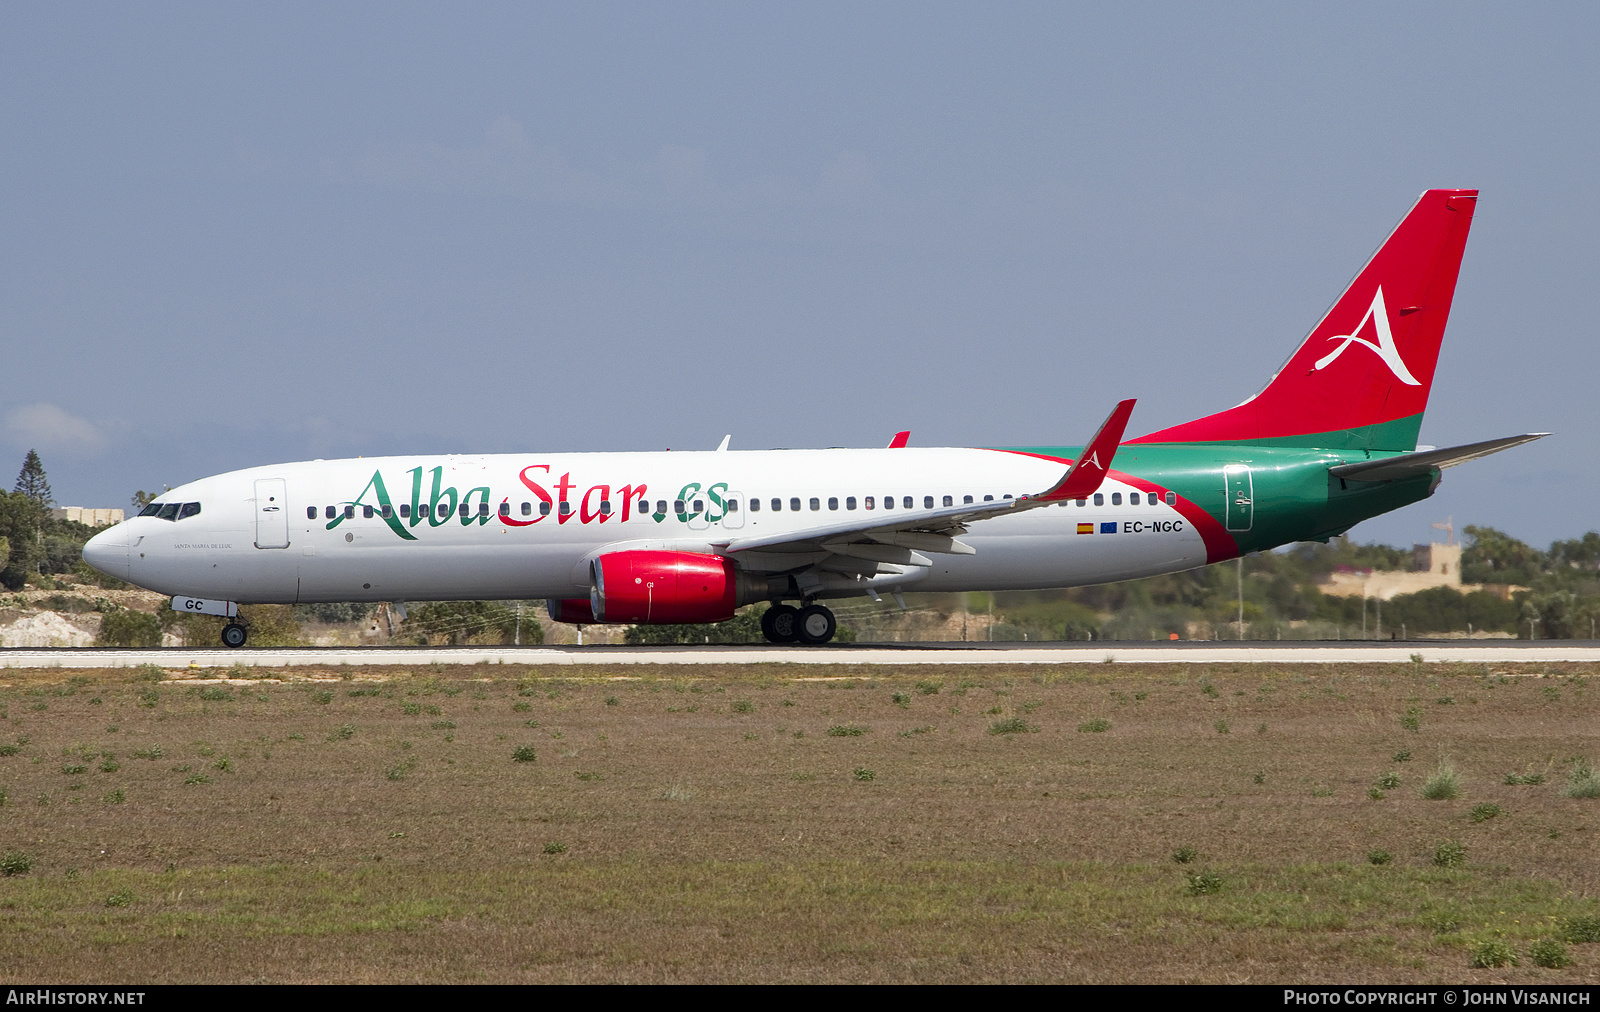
(234, 635)
(812, 625)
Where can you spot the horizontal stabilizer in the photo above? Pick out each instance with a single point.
(1410, 465)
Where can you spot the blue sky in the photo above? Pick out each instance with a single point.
(239, 234)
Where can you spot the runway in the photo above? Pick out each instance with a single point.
(1431, 651)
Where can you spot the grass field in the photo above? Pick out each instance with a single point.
(798, 824)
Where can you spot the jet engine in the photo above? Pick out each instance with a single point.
(660, 587)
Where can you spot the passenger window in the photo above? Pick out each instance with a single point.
(966, 500)
(483, 508)
(949, 500)
(1083, 502)
(906, 502)
(405, 511)
(816, 503)
(350, 512)
(677, 506)
(527, 509)
(605, 507)
(1099, 499)
(794, 504)
(329, 512)
(927, 502)
(505, 509)
(366, 512)
(566, 509)
(661, 507)
(155, 508)
(1008, 495)
(1172, 498)
(311, 513)
(1133, 498)
(868, 502)
(424, 509)
(833, 502)
(1116, 498)
(888, 502)
(699, 505)
(988, 498)
(755, 504)
(733, 505)
(387, 512)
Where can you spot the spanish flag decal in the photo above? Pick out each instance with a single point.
(1086, 528)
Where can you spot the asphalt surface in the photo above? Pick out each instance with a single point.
(1480, 651)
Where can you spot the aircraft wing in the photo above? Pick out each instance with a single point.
(897, 538)
(1410, 465)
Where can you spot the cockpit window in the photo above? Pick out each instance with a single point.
(169, 511)
(152, 509)
(190, 509)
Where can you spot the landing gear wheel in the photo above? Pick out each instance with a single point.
(781, 624)
(234, 635)
(817, 625)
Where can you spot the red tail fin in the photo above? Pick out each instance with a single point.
(1361, 380)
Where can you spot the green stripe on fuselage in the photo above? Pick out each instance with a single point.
(1294, 498)
(1398, 436)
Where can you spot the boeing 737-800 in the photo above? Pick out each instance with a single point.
(670, 537)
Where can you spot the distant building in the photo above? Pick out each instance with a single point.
(85, 515)
(1432, 565)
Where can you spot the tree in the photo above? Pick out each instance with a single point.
(141, 498)
(20, 521)
(1492, 556)
(32, 483)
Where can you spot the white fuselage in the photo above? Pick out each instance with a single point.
(319, 543)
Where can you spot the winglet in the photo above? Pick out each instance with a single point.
(1089, 470)
(900, 439)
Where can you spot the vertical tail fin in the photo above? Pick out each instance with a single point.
(1361, 379)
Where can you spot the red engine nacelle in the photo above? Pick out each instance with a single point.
(663, 587)
(571, 609)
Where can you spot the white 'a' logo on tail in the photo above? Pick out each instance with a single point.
(1384, 349)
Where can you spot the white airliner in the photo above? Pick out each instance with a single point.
(671, 537)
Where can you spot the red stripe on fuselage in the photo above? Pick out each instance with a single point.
(1220, 545)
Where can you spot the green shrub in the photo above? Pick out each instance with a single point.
(1403, 756)
(1483, 813)
(1583, 783)
(1204, 883)
(1375, 794)
(324, 697)
(1443, 785)
(120, 898)
(1095, 726)
(1389, 781)
(220, 694)
(115, 797)
(1579, 930)
(1524, 779)
(344, 732)
(197, 778)
(524, 754)
(862, 773)
(1184, 855)
(1549, 953)
(1259, 778)
(1221, 727)
(1379, 857)
(74, 769)
(743, 706)
(1412, 721)
(124, 627)
(847, 731)
(15, 862)
(148, 673)
(555, 848)
(109, 765)
(1012, 725)
(1449, 854)
(902, 700)
(153, 752)
(409, 708)
(1492, 954)
(929, 688)
(9, 750)
(443, 725)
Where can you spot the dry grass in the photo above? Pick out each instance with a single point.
(702, 828)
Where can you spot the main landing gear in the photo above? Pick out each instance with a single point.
(234, 635)
(812, 625)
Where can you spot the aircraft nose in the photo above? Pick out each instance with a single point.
(108, 552)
